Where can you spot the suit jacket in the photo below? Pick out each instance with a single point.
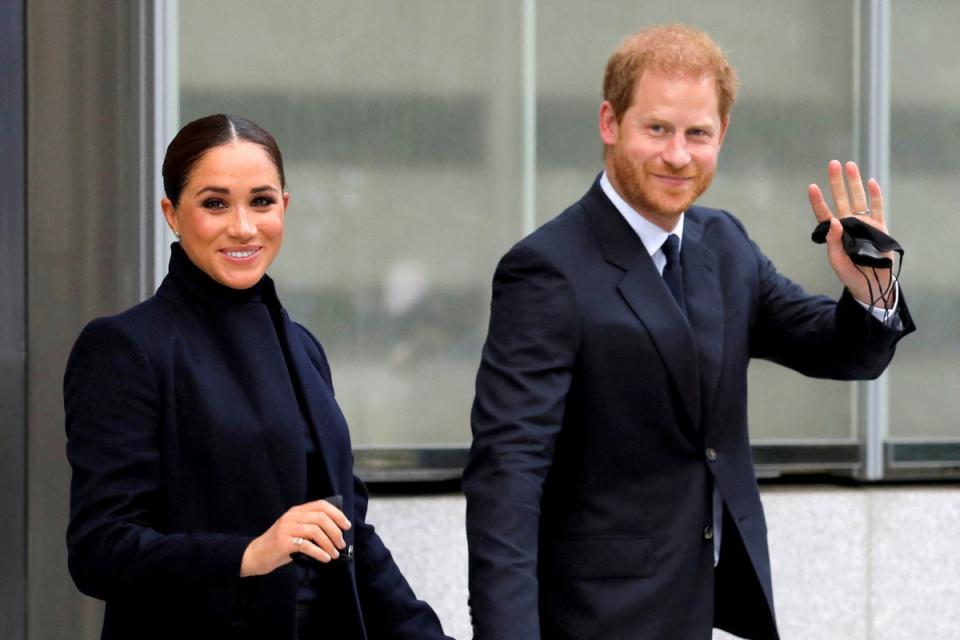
(603, 418)
(186, 437)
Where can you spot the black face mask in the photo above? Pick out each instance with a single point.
(864, 244)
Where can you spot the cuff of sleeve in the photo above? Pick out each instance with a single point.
(227, 598)
(888, 317)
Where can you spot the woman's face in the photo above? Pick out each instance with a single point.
(230, 214)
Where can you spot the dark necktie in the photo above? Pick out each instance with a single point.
(673, 272)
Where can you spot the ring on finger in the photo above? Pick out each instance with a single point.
(297, 541)
(864, 212)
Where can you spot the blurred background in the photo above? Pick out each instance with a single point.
(422, 138)
(406, 126)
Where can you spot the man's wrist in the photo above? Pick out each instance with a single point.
(882, 311)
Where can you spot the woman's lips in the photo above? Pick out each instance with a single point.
(245, 254)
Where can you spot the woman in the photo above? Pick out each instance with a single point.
(213, 494)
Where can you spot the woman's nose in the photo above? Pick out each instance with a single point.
(242, 225)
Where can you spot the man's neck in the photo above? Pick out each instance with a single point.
(651, 234)
(667, 222)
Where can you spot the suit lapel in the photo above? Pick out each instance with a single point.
(644, 291)
(319, 407)
(701, 282)
(647, 295)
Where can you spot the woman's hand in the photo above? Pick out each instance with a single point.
(314, 529)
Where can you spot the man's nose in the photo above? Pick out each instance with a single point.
(676, 154)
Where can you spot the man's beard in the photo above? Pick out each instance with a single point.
(649, 199)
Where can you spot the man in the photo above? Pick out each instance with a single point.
(610, 489)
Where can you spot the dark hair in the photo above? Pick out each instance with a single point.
(201, 135)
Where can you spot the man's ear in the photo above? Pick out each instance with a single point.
(607, 123)
(723, 127)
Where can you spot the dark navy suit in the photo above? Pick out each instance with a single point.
(185, 434)
(603, 418)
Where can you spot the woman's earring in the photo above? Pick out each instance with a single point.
(176, 235)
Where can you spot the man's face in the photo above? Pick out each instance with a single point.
(662, 154)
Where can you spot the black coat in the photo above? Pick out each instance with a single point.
(603, 418)
(186, 441)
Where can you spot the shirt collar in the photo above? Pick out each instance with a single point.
(650, 234)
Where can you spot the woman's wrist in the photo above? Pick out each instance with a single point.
(248, 565)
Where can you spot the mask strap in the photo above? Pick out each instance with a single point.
(869, 285)
(883, 295)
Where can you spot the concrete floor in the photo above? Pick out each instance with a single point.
(872, 563)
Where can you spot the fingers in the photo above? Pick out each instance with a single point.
(323, 532)
(309, 540)
(817, 202)
(308, 548)
(838, 188)
(849, 195)
(834, 243)
(876, 202)
(321, 525)
(858, 197)
(335, 514)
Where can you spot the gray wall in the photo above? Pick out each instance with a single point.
(86, 248)
(876, 563)
(12, 323)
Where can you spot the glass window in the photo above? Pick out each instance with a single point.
(925, 134)
(400, 125)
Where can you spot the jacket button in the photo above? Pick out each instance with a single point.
(708, 533)
(711, 454)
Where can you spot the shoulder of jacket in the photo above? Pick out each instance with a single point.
(137, 327)
(708, 216)
(553, 240)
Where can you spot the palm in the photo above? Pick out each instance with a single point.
(849, 202)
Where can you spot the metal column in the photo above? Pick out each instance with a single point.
(873, 119)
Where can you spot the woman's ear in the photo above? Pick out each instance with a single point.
(170, 214)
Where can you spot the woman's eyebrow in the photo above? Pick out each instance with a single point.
(222, 190)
